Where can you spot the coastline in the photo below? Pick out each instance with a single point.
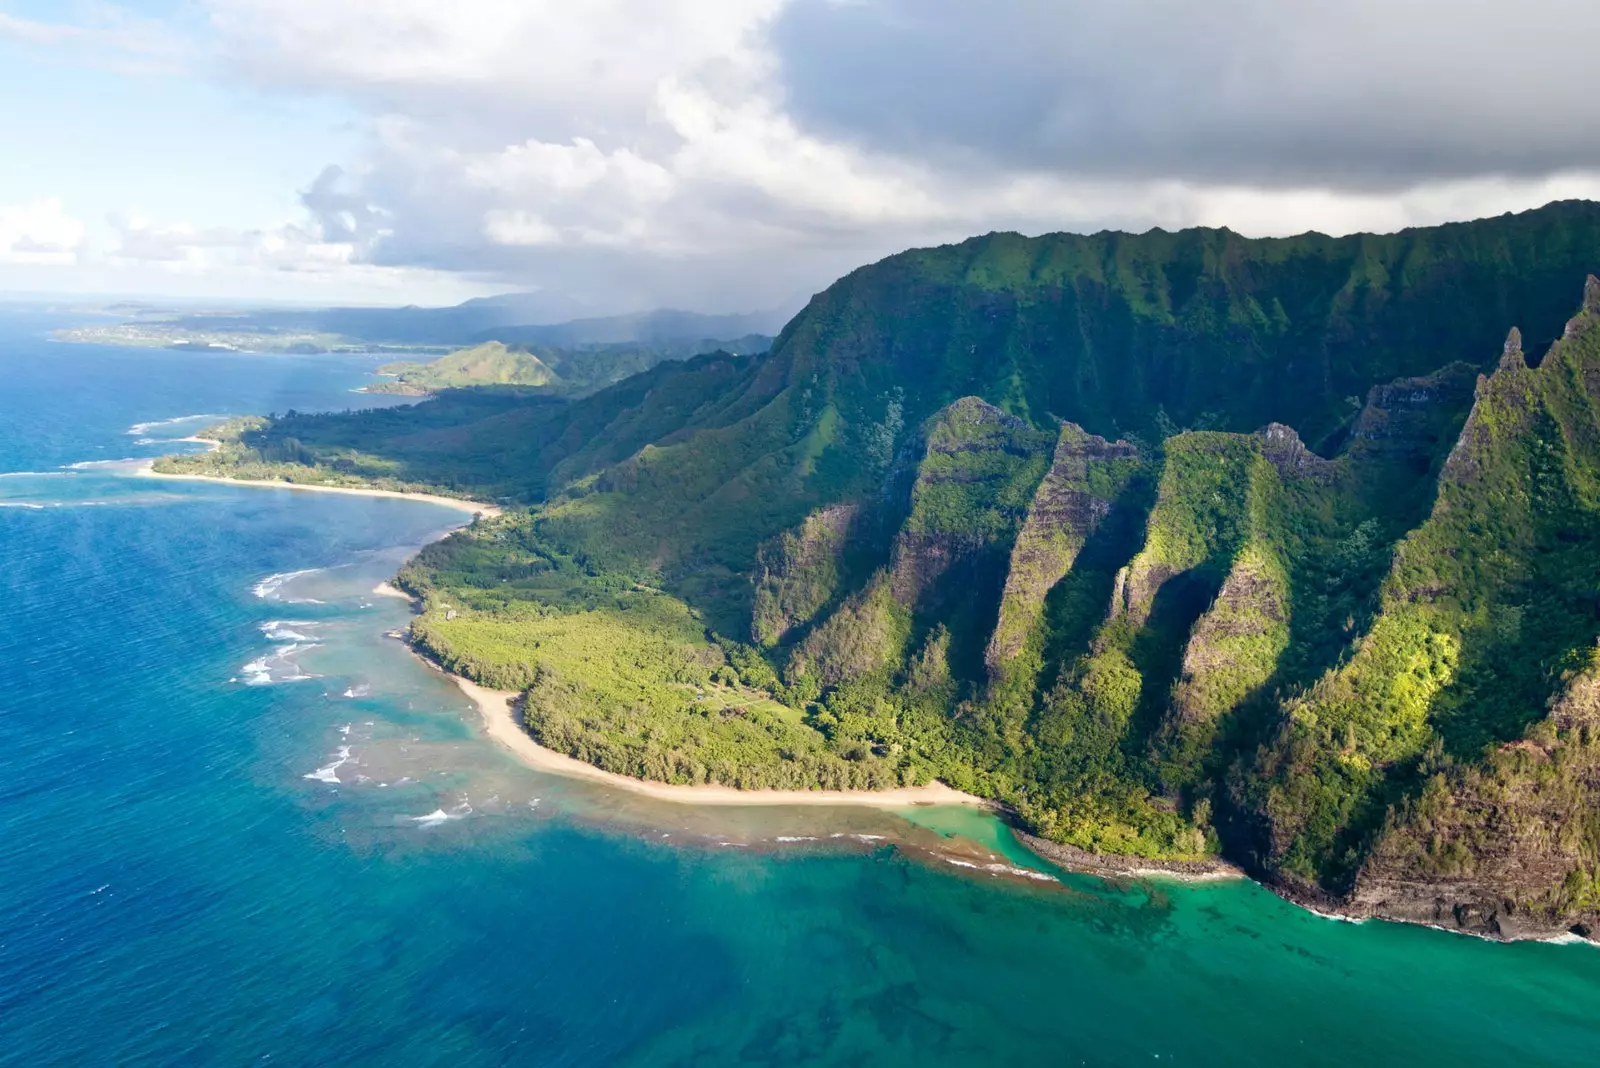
(1112, 866)
(488, 511)
(501, 726)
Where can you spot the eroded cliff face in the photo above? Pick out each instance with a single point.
(1415, 780)
(973, 482)
(1508, 847)
(798, 573)
(1506, 843)
(867, 634)
(976, 472)
(1235, 646)
(1087, 475)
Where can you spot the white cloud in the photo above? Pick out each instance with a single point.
(40, 233)
(728, 154)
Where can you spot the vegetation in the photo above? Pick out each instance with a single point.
(1028, 515)
(488, 364)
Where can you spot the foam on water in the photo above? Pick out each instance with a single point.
(1002, 869)
(268, 587)
(94, 465)
(283, 630)
(278, 666)
(439, 815)
(142, 429)
(329, 773)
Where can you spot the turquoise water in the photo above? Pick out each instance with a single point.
(238, 824)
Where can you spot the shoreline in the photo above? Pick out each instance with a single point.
(502, 727)
(460, 504)
(1112, 866)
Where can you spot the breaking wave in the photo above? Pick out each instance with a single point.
(329, 773)
(141, 430)
(269, 586)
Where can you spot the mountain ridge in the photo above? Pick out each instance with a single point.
(1176, 544)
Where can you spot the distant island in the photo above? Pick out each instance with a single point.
(513, 319)
(1177, 545)
(187, 336)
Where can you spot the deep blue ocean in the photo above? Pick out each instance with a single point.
(238, 824)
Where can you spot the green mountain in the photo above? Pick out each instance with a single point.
(568, 371)
(488, 364)
(1177, 544)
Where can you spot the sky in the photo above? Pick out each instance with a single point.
(737, 155)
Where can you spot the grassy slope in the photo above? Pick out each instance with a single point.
(488, 364)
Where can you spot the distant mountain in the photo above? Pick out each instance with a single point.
(488, 364)
(467, 322)
(525, 318)
(662, 326)
(572, 372)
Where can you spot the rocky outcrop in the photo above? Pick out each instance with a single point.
(1508, 848)
(1111, 866)
(979, 468)
(1284, 450)
(1511, 357)
(1591, 305)
(797, 573)
(1406, 423)
(1235, 646)
(1066, 509)
(1200, 518)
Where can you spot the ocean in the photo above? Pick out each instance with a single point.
(239, 824)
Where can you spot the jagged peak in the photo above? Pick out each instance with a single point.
(974, 410)
(1590, 312)
(1511, 357)
(1072, 439)
(1283, 449)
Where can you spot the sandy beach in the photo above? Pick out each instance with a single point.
(147, 470)
(501, 725)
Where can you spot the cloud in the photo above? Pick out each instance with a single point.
(108, 36)
(1356, 94)
(728, 154)
(31, 32)
(182, 248)
(40, 233)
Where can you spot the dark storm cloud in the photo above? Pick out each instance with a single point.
(1360, 94)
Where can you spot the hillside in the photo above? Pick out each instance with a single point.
(1176, 543)
(488, 364)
